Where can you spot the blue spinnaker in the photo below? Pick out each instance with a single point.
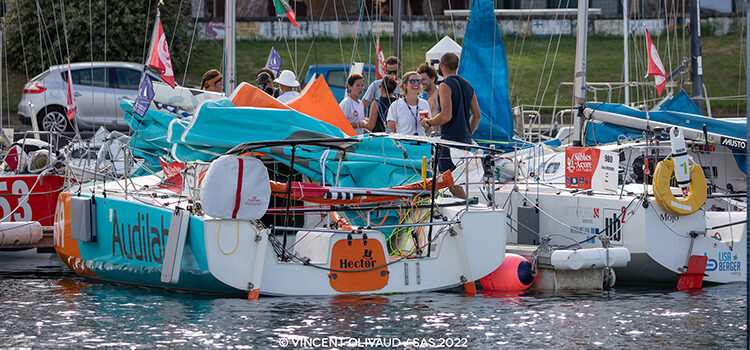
(484, 65)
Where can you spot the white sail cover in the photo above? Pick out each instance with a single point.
(236, 187)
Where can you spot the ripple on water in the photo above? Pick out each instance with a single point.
(54, 312)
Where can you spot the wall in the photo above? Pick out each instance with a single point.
(270, 30)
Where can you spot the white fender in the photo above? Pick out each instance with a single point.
(590, 258)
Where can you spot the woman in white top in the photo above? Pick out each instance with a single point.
(403, 115)
(352, 106)
(287, 82)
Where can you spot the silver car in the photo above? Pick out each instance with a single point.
(98, 87)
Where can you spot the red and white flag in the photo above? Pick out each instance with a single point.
(380, 68)
(71, 102)
(159, 54)
(655, 67)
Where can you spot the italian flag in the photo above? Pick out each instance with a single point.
(282, 7)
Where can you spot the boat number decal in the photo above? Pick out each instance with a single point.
(59, 228)
(143, 240)
(612, 225)
(23, 209)
(358, 260)
(622, 214)
(733, 143)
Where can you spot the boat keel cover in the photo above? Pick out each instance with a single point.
(236, 187)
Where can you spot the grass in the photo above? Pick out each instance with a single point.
(535, 72)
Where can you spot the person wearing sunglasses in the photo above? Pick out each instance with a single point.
(373, 93)
(459, 114)
(379, 108)
(404, 114)
(351, 105)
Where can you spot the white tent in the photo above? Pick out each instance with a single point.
(446, 44)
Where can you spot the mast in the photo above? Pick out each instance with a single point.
(696, 61)
(398, 8)
(229, 36)
(625, 34)
(747, 114)
(579, 78)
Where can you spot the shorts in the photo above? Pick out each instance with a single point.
(445, 162)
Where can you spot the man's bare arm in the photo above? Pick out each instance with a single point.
(476, 114)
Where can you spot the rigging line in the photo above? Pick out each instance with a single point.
(42, 41)
(554, 60)
(176, 21)
(453, 24)
(5, 61)
(434, 24)
(91, 59)
(23, 47)
(669, 51)
(41, 53)
(338, 32)
(190, 49)
(313, 44)
(546, 56)
(526, 29)
(57, 29)
(145, 31)
(286, 41)
(67, 52)
(48, 42)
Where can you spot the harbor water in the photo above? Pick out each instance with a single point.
(44, 305)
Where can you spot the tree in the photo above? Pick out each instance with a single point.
(97, 30)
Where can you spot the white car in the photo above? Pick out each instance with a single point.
(98, 99)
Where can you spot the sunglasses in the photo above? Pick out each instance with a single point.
(390, 72)
(415, 81)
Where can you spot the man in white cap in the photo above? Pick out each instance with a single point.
(287, 82)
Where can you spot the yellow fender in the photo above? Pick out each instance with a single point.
(679, 206)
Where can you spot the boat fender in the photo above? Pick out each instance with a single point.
(680, 159)
(697, 190)
(590, 258)
(23, 233)
(515, 273)
(236, 187)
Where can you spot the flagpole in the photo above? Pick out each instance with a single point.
(229, 36)
(579, 78)
(625, 34)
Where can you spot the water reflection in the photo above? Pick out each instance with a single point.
(41, 311)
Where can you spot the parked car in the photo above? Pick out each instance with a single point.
(336, 74)
(98, 87)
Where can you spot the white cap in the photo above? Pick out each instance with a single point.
(287, 78)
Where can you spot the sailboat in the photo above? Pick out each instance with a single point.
(667, 230)
(208, 224)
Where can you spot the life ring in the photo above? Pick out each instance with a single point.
(697, 191)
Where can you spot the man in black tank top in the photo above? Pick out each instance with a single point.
(459, 113)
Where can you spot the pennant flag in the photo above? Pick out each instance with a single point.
(145, 95)
(71, 103)
(655, 67)
(380, 68)
(274, 62)
(282, 7)
(159, 53)
(172, 176)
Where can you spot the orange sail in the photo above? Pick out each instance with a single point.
(247, 95)
(317, 101)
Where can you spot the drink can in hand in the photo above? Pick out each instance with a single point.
(423, 114)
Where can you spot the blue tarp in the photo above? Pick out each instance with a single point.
(679, 103)
(484, 65)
